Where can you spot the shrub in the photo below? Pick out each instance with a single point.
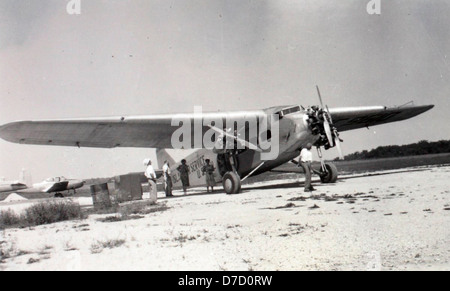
(50, 212)
(9, 218)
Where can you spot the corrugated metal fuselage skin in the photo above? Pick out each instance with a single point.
(294, 134)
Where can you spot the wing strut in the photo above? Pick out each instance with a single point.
(254, 170)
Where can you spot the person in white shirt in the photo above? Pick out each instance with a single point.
(305, 162)
(167, 179)
(151, 177)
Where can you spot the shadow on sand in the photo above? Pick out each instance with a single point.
(290, 184)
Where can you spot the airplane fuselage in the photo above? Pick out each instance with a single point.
(55, 185)
(293, 135)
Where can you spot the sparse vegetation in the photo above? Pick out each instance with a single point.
(69, 247)
(55, 211)
(41, 213)
(8, 218)
(9, 250)
(32, 261)
(116, 218)
(288, 205)
(182, 238)
(99, 246)
(141, 207)
(50, 212)
(134, 210)
(45, 250)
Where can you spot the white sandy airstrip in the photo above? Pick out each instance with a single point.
(399, 220)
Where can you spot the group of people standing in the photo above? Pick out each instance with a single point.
(208, 170)
(151, 177)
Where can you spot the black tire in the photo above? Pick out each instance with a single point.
(331, 175)
(231, 183)
(59, 195)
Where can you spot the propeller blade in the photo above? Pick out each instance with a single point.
(320, 97)
(332, 135)
(329, 114)
(338, 146)
(328, 132)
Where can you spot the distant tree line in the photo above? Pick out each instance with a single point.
(421, 148)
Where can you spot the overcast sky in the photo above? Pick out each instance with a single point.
(147, 57)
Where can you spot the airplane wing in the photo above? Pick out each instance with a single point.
(12, 187)
(156, 131)
(138, 131)
(359, 117)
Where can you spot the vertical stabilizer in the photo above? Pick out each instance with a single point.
(25, 178)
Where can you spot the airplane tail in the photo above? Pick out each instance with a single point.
(162, 155)
(25, 178)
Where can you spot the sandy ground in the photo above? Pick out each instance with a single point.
(396, 220)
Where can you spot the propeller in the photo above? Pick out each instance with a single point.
(326, 122)
(331, 132)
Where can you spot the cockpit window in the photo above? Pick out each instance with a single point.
(290, 110)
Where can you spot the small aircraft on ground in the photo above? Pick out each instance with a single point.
(57, 185)
(291, 128)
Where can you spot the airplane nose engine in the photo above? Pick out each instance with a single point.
(321, 124)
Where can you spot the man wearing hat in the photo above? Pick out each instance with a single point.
(305, 162)
(151, 177)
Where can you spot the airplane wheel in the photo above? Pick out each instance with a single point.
(231, 183)
(59, 195)
(331, 175)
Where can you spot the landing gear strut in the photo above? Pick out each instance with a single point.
(231, 180)
(330, 175)
(328, 172)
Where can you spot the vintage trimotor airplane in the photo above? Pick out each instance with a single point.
(289, 127)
